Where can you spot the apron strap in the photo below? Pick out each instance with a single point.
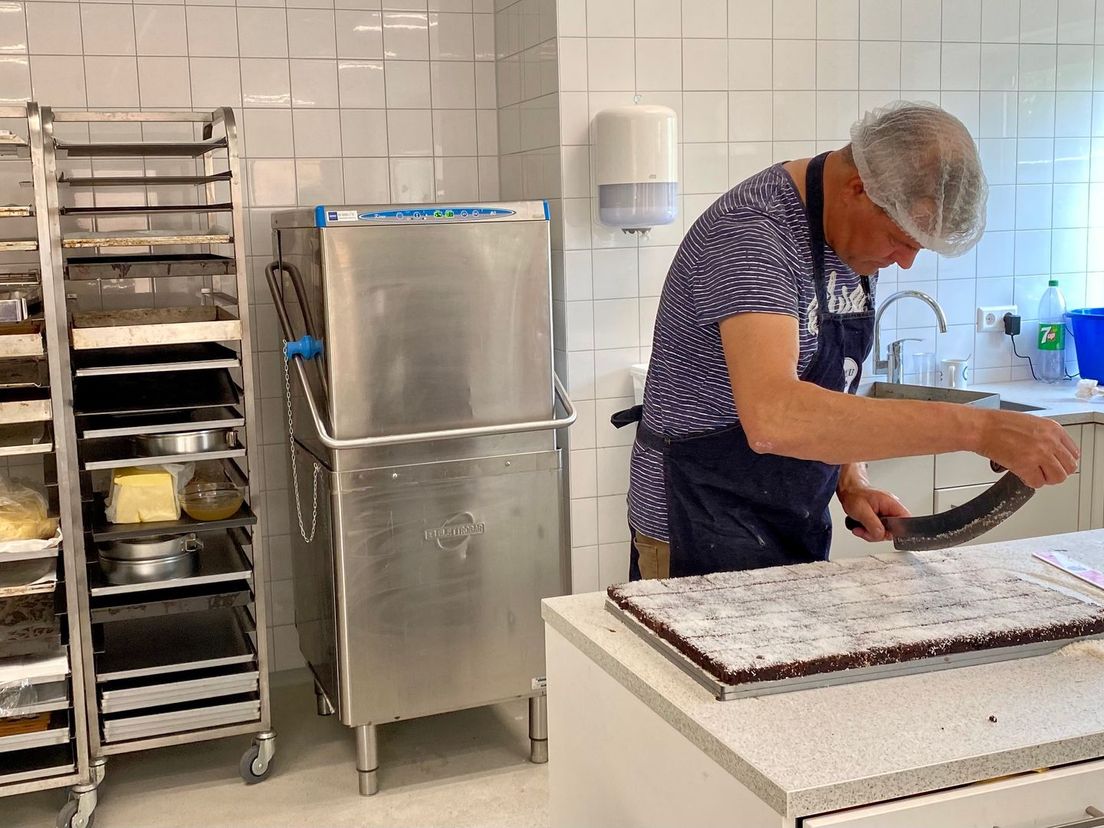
(814, 212)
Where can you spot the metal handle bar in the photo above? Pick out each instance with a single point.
(329, 441)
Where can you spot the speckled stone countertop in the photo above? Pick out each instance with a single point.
(820, 750)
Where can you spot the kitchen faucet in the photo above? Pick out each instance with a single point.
(891, 366)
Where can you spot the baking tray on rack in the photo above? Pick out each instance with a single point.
(18, 245)
(21, 439)
(143, 238)
(121, 697)
(24, 405)
(118, 531)
(148, 209)
(122, 425)
(726, 692)
(40, 763)
(38, 669)
(148, 149)
(16, 211)
(152, 266)
(153, 326)
(47, 698)
(142, 180)
(27, 373)
(191, 356)
(136, 394)
(163, 645)
(21, 339)
(122, 452)
(220, 561)
(56, 733)
(178, 601)
(29, 625)
(190, 717)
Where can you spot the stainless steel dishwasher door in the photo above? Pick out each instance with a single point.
(440, 570)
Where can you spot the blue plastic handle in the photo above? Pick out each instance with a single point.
(306, 347)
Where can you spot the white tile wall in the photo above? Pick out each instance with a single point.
(371, 101)
(756, 81)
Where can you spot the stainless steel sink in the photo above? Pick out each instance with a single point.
(1008, 405)
(900, 391)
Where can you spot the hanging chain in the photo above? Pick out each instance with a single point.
(317, 473)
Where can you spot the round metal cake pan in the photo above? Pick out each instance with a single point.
(123, 572)
(152, 548)
(185, 442)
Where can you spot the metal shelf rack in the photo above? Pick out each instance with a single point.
(146, 233)
(54, 751)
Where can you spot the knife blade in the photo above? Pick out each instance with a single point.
(960, 524)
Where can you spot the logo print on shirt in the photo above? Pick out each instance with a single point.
(839, 301)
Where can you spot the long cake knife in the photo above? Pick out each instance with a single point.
(962, 523)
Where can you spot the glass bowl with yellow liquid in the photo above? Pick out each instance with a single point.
(212, 501)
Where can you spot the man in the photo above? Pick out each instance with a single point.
(766, 317)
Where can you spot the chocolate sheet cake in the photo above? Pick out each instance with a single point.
(795, 621)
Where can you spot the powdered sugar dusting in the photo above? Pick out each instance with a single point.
(786, 622)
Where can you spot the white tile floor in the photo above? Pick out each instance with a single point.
(462, 769)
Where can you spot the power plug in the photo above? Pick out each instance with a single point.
(1012, 324)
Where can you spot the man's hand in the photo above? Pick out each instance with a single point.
(865, 505)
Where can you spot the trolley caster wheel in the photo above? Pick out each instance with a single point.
(256, 762)
(70, 816)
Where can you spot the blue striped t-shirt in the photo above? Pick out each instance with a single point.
(748, 253)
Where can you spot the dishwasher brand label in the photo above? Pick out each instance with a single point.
(456, 529)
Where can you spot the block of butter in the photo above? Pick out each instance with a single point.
(142, 496)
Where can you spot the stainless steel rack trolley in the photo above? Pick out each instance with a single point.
(433, 517)
(43, 714)
(145, 223)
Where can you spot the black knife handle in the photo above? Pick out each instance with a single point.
(997, 467)
(851, 523)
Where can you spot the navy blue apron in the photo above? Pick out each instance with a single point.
(727, 506)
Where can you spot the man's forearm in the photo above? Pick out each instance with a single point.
(800, 419)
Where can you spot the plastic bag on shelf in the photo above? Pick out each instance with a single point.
(24, 515)
(16, 696)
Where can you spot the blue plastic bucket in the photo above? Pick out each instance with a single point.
(1088, 338)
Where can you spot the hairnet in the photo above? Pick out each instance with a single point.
(919, 164)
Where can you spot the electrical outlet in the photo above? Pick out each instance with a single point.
(991, 317)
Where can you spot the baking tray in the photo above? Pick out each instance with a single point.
(48, 698)
(135, 394)
(16, 211)
(177, 601)
(55, 735)
(119, 531)
(120, 453)
(45, 668)
(143, 238)
(190, 687)
(122, 425)
(141, 180)
(148, 209)
(28, 577)
(36, 764)
(22, 439)
(24, 405)
(192, 356)
(29, 625)
(163, 645)
(18, 245)
(727, 692)
(23, 339)
(147, 149)
(25, 373)
(149, 267)
(220, 561)
(128, 728)
(153, 326)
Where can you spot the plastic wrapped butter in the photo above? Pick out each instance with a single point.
(142, 496)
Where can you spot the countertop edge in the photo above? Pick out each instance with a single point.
(746, 774)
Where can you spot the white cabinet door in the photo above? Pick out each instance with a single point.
(1098, 480)
(1062, 796)
(910, 478)
(1052, 511)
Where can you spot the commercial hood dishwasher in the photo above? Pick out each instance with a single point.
(427, 475)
